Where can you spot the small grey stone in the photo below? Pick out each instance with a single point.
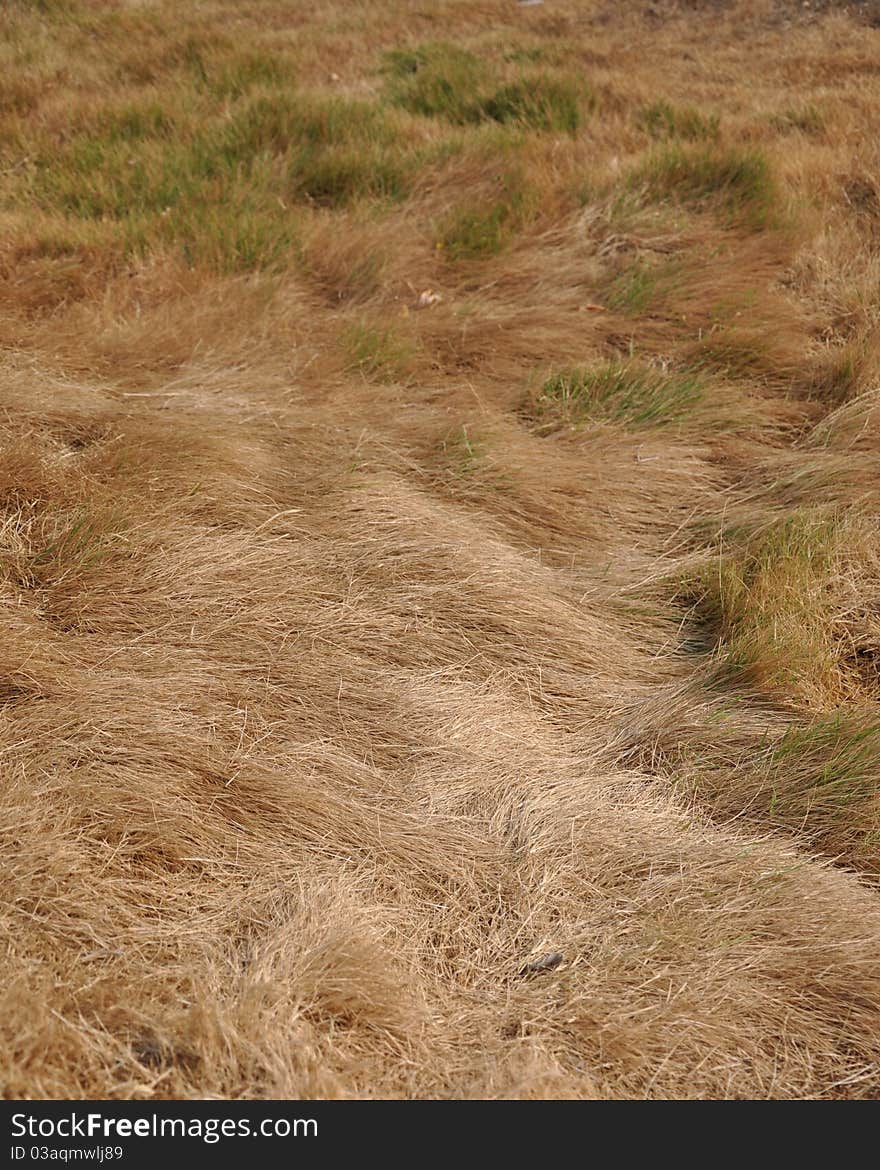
(545, 963)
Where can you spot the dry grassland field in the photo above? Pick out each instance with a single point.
(439, 491)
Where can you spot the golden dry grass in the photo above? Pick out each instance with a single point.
(438, 521)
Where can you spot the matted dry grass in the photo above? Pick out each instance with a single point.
(438, 526)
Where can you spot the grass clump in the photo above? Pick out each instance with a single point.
(639, 287)
(247, 235)
(218, 185)
(626, 393)
(482, 227)
(463, 452)
(734, 353)
(816, 773)
(474, 232)
(819, 780)
(436, 81)
(46, 547)
(663, 121)
(381, 354)
(804, 119)
(540, 103)
(339, 175)
(769, 596)
(333, 151)
(444, 81)
(738, 183)
(233, 79)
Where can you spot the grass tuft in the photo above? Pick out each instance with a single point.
(220, 188)
(380, 354)
(768, 595)
(627, 393)
(436, 81)
(443, 81)
(816, 773)
(737, 183)
(803, 119)
(540, 103)
(483, 227)
(663, 121)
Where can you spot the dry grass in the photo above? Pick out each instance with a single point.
(438, 530)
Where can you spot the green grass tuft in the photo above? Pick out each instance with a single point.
(443, 81)
(803, 119)
(768, 595)
(733, 353)
(436, 81)
(380, 354)
(638, 287)
(738, 183)
(482, 228)
(156, 172)
(664, 121)
(539, 103)
(821, 769)
(633, 395)
(475, 232)
(246, 72)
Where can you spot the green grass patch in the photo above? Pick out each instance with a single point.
(663, 121)
(247, 234)
(381, 354)
(634, 290)
(436, 81)
(148, 159)
(736, 183)
(445, 81)
(220, 184)
(474, 232)
(818, 772)
(768, 594)
(626, 393)
(235, 76)
(482, 228)
(337, 175)
(732, 353)
(819, 780)
(802, 119)
(538, 103)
